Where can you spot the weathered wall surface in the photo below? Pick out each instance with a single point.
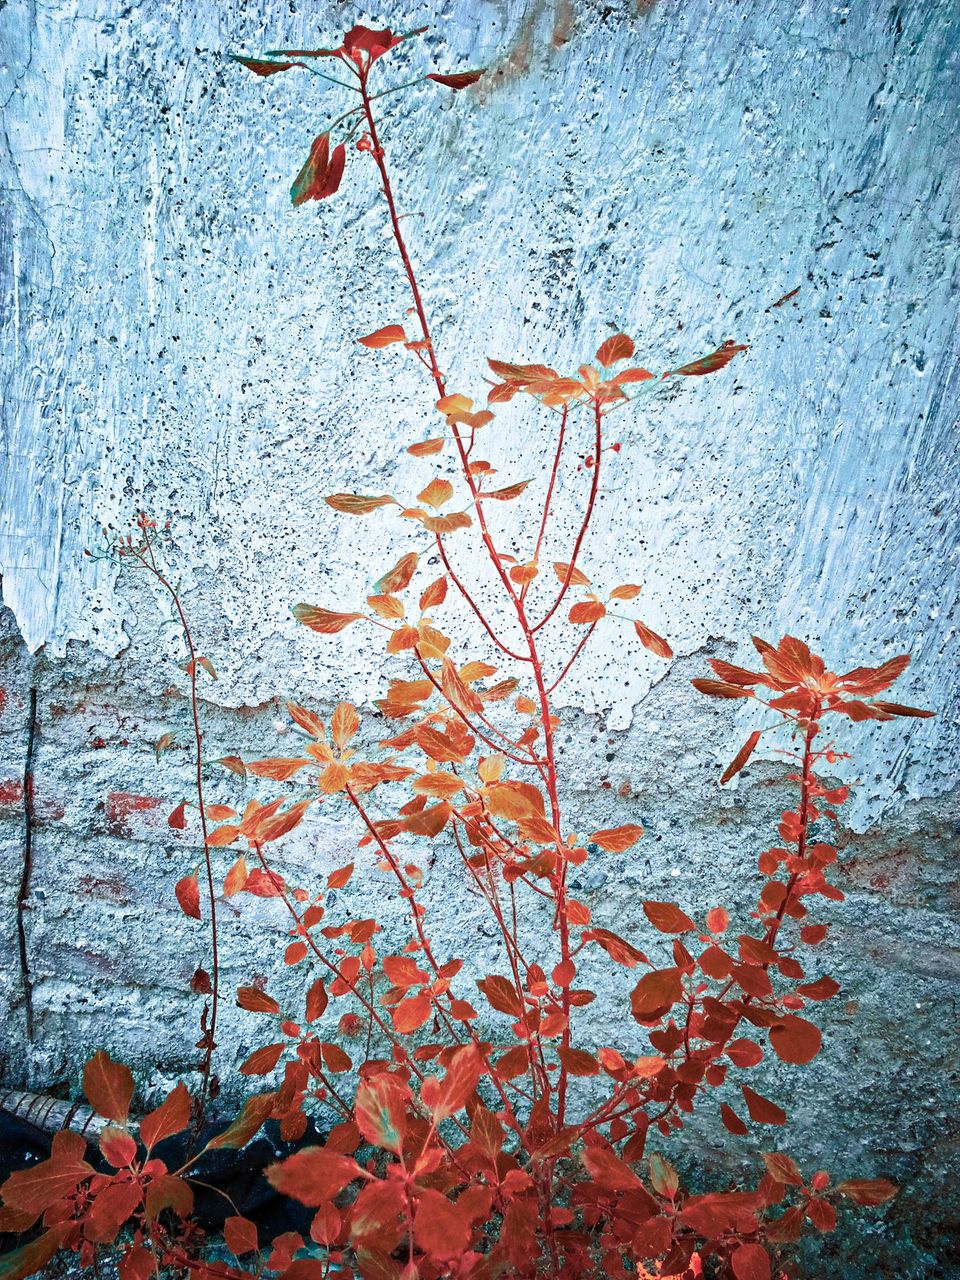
(176, 337)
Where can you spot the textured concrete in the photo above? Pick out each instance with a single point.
(175, 336)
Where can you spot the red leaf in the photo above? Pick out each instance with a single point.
(375, 44)
(655, 994)
(709, 364)
(718, 918)
(741, 758)
(262, 1060)
(617, 839)
(868, 1191)
(667, 917)
(412, 1013)
(264, 884)
(383, 338)
(33, 1189)
(313, 1175)
(261, 67)
(178, 819)
(255, 1112)
(457, 80)
(501, 994)
(650, 640)
(795, 1040)
(823, 989)
(455, 1089)
(380, 1110)
(117, 1147)
(111, 1209)
(719, 689)
(188, 895)
(762, 1110)
(750, 1262)
(172, 1116)
(108, 1086)
(822, 1214)
(577, 1062)
(731, 1121)
(240, 1235)
(744, 1053)
(317, 1000)
(441, 1229)
(340, 878)
(321, 174)
(256, 1001)
(136, 1264)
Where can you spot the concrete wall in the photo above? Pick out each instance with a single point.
(176, 337)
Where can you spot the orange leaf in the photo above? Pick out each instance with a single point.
(511, 491)
(399, 577)
(619, 347)
(617, 839)
(719, 689)
(344, 723)
(423, 448)
(576, 578)
(358, 504)
(383, 337)
(223, 836)
(323, 620)
(309, 721)
(341, 877)
(436, 493)
(587, 611)
(387, 607)
(741, 758)
(650, 640)
(279, 768)
(629, 591)
(667, 917)
(435, 594)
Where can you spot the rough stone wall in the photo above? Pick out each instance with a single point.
(176, 337)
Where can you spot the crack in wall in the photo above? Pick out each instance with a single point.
(26, 873)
